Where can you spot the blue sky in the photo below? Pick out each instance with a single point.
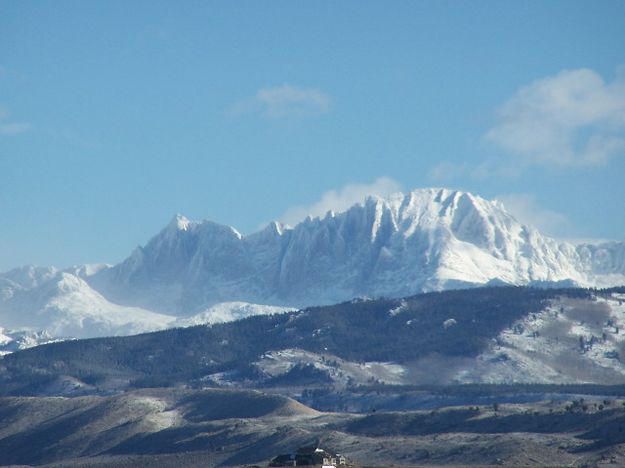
(116, 115)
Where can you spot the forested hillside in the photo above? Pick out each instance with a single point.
(449, 324)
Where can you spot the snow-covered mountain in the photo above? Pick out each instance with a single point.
(65, 305)
(428, 239)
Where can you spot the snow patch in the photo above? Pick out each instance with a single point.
(403, 305)
(450, 322)
(228, 312)
(342, 372)
(571, 341)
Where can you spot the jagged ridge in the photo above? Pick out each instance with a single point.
(428, 239)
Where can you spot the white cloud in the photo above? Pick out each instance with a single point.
(341, 199)
(447, 170)
(285, 101)
(11, 128)
(527, 210)
(14, 128)
(573, 118)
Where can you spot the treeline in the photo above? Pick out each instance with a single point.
(475, 390)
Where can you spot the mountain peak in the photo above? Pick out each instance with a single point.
(276, 227)
(400, 244)
(179, 223)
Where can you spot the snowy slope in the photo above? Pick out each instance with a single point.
(23, 278)
(11, 341)
(572, 341)
(228, 312)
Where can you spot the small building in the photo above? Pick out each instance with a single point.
(311, 456)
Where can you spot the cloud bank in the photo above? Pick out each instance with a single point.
(341, 199)
(573, 118)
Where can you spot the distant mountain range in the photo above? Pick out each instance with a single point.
(203, 272)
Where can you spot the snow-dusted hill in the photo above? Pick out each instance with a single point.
(428, 239)
(572, 340)
(479, 335)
